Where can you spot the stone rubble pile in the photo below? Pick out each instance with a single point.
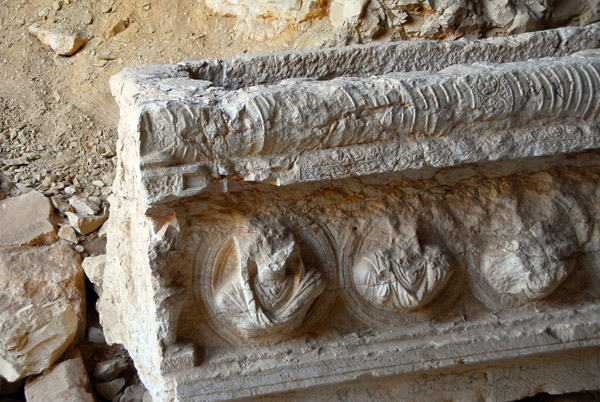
(48, 342)
(359, 21)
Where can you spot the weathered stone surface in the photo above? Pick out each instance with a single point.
(26, 221)
(362, 21)
(34, 337)
(67, 381)
(63, 44)
(361, 222)
(42, 307)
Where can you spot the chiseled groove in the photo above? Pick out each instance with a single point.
(578, 87)
(591, 90)
(517, 90)
(472, 101)
(440, 95)
(551, 89)
(561, 80)
(569, 95)
(411, 102)
(511, 77)
(594, 89)
(426, 110)
(341, 88)
(533, 77)
(260, 140)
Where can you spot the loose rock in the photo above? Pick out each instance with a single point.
(133, 393)
(109, 369)
(68, 233)
(32, 338)
(86, 224)
(67, 381)
(41, 307)
(95, 335)
(26, 220)
(94, 269)
(109, 390)
(62, 44)
(83, 206)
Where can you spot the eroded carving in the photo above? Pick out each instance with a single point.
(266, 288)
(530, 266)
(401, 279)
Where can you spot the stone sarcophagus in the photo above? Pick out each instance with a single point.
(395, 221)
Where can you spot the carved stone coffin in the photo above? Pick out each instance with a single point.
(410, 220)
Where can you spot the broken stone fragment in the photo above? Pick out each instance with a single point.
(60, 204)
(68, 233)
(86, 224)
(83, 206)
(20, 161)
(62, 44)
(26, 220)
(34, 337)
(94, 269)
(109, 369)
(133, 393)
(95, 335)
(42, 305)
(108, 390)
(67, 381)
(353, 9)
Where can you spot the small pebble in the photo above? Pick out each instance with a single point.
(70, 190)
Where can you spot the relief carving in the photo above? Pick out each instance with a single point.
(530, 266)
(401, 279)
(532, 247)
(266, 289)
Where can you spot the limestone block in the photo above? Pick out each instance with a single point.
(374, 214)
(26, 220)
(42, 311)
(67, 381)
(34, 337)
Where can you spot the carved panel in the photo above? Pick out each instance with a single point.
(532, 255)
(392, 278)
(265, 283)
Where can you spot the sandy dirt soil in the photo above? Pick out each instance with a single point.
(57, 118)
